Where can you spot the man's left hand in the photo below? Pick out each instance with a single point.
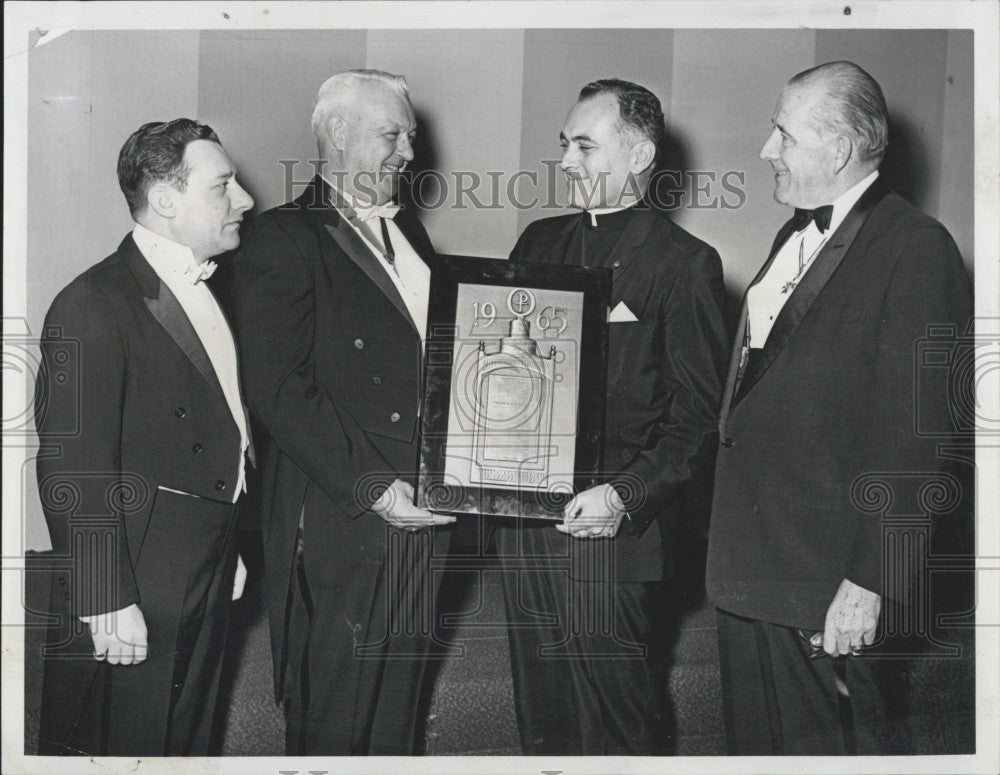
(241, 578)
(593, 513)
(851, 619)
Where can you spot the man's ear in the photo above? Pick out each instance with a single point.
(160, 199)
(336, 130)
(643, 155)
(843, 151)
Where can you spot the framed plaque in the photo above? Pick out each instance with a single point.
(514, 386)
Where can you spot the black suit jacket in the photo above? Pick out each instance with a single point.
(834, 398)
(332, 364)
(665, 373)
(127, 403)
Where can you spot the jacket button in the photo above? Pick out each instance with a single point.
(728, 442)
(62, 582)
(394, 417)
(359, 343)
(197, 448)
(377, 380)
(180, 412)
(616, 264)
(311, 392)
(220, 485)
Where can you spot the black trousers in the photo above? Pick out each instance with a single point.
(166, 705)
(776, 700)
(589, 665)
(358, 638)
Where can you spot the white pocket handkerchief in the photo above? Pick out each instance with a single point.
(622, 314)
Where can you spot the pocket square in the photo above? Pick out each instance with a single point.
(622, 314)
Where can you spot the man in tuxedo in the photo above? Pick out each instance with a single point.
(331, 296)
(590, 686)
(822, 393)
(144, 444)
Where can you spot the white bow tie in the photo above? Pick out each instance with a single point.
(195, 273)
(388, 210)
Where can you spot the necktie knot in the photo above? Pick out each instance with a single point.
(196, 272)
(821, 216)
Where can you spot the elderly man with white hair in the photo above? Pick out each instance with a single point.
(331, 304)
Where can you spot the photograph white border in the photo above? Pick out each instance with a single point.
(53, 19)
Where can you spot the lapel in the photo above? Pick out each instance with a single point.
(557, 249)
(167, 311)
(734, 366)
(351, 244)
(634, 235)
(806, 292)
(415, 235)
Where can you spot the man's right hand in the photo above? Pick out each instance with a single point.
(397, 508)
(119, 636)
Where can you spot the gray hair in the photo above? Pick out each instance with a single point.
(854, 106)
(338, 91)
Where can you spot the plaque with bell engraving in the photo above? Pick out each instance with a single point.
(514, 385)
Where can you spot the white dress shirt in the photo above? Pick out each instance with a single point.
(410, 275)
(767, 298)
(169, 260)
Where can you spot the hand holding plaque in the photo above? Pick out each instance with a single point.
(396, 507)
(594, 513)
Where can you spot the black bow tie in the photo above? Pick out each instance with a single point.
(821, 215)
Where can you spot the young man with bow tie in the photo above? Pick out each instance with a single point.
(331, 295)
(140, 468)
(822, 392)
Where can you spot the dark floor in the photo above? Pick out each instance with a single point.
(471, 705)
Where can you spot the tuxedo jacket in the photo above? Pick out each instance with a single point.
(664, 377)
(127, 404)
(839, 395)
(332, 368)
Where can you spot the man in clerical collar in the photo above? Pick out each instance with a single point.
(331, 295)
(823, 407)
(153, 444)
(666, 362)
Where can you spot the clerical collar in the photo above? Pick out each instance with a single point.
(602, 218)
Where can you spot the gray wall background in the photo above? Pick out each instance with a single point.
(487, 101)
